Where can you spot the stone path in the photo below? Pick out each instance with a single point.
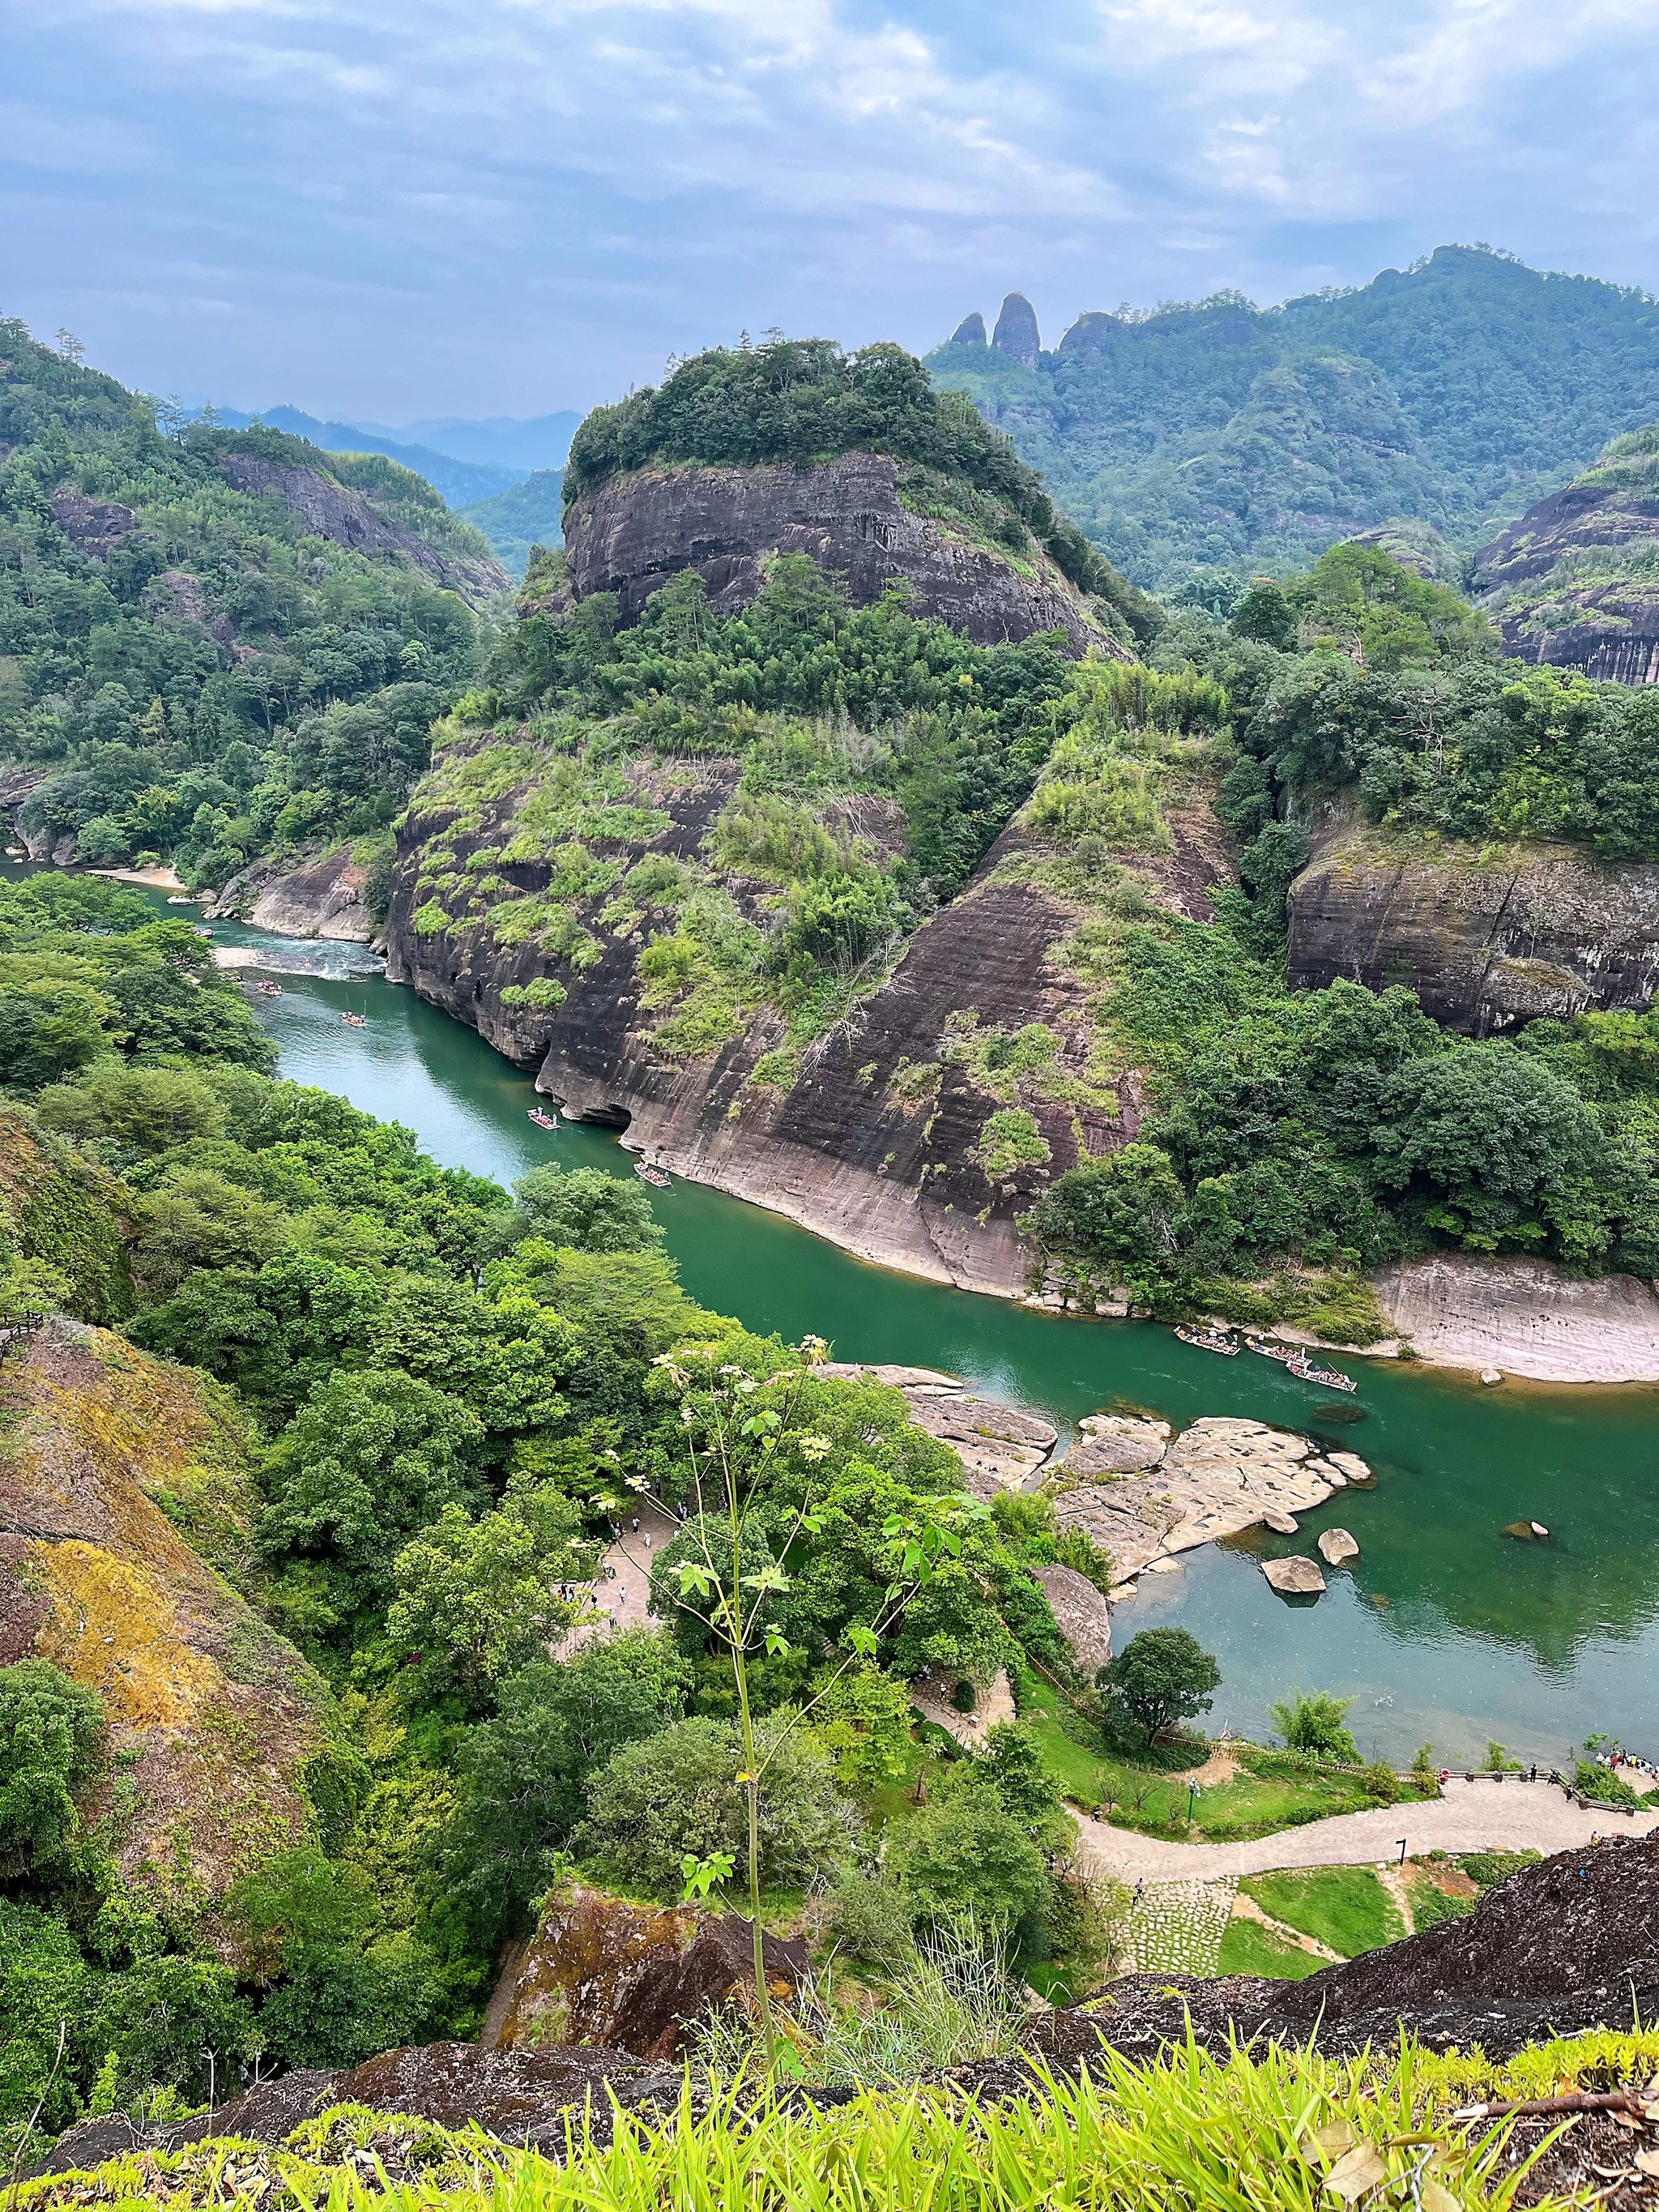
(1176, 1927)
(1472, 1816)
(621, 1603)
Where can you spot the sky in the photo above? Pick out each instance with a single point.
(391, 209)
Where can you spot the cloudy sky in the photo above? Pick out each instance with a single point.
(398, 208)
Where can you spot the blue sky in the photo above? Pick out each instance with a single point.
(399, 208)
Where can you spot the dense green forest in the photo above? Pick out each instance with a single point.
(524, 516)
(1219, 436)
(451, 1387)
(199, 676)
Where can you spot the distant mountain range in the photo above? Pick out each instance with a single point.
(466, 462)
(1223, 437)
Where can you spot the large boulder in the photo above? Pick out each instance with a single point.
(1081, 1613)
(1296, 1576)
(599, 1970)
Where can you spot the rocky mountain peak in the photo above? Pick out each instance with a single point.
(970, 330)
(1016, 333)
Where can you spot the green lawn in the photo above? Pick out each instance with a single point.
(1155, 1803)
(1247, 1947)
(1346, 1907)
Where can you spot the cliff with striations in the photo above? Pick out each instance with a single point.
(863, 517)
(964, 1072)
(1487, 936)
(1572, 584)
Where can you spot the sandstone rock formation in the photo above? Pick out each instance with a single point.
(870, 1136)
(630, 533)
(1220, 1476)
(322, 897)
(601, 1971)
(1523, 1316)
(1570, 585)
(970, 330)
(1081, 1613)
(1016, 333)
(1294, 1577)
(222, 1722)
(1486, 937)
(1335, 1546)
(336, 512)
(1117, 1444)
(1001, 1447)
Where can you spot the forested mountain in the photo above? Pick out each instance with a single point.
(527, 515)
(1220, 436)
(212, 641)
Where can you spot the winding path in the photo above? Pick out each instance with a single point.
(1472, 1816)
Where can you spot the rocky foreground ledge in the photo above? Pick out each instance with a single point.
(1570, 1945)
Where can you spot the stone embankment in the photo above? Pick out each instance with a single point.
(1143, 1495)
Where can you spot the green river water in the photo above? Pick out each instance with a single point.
(1443, 1630)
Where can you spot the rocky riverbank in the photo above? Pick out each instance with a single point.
(1523, 1317)
(322, 897)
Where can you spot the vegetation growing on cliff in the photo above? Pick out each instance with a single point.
(199, 675)
(803, 399)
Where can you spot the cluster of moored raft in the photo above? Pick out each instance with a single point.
(1293, 1357)
(644, 1168)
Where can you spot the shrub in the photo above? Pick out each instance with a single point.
(968, 1861)
(871, 1920)
(1381, 1784)
(676, 1794)
(1311, 1721)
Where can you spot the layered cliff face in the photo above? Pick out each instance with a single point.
(121, 1477)
(323, 897)
(554, 911)
(1575, 582)
(866, 518)
(1486, 937)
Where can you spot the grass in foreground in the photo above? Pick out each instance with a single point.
(1277, 2133)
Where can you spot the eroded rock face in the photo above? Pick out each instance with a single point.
(1608, 625)
(1016, 333)
(1219, 1478)
(221, 1714)
(322, 898)
(1524, 1317)
(1082, 1614)
(1487, 940)
(630, 533)
(336, 512)
(600, 1970)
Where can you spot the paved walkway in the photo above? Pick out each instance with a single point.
(1472, 1816)
(623, 1600)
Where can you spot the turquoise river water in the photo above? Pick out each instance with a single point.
(1443, 1630)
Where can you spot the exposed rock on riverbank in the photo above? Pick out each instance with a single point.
(1001, 1447)
(1524, 1317)
(321, 897)
(1486, 937)
(1219, 1478)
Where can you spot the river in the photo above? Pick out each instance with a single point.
(1443, 1630)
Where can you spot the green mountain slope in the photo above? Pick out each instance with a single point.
(523, 516)
(212, 642)
(1223, 434)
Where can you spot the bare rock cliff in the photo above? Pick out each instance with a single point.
(1486, 937)
(1570, 585)
(632, 533)
(322, 897)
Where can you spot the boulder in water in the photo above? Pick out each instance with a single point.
(1336, 1545)
(1296, 1577)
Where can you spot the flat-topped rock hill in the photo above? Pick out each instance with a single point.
(1572, 584)
(853, 515)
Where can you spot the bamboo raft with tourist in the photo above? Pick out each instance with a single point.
(1293, 1357)
(541, 1118)
(654, 1176)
